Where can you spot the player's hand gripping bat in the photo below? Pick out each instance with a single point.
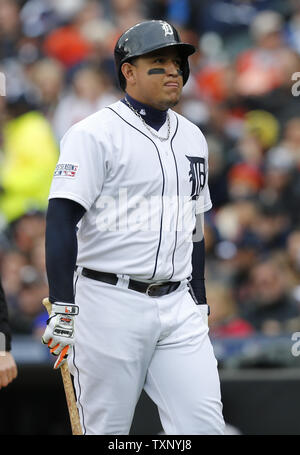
(68, 386)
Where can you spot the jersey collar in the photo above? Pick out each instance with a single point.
(153, 117)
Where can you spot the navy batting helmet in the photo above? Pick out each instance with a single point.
(146, 37)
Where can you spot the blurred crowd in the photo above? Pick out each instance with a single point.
(243, 92)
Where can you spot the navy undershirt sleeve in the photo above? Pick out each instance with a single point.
(61, 247)
(198, 263)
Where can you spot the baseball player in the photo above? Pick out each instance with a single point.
(129, 185)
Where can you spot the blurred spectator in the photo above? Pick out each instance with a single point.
(215, 73)
(11, 265)
(90, 91)
(260, 69)
(10, 28)
(126, 13)
(290, 143)
(222, 126)
(282, 182)
(28, 306)
(270, 305)
(224, 319)
(99, 32)
(27, 230)
(101, 36)
(263, 126)
(66, 42)
(292, 29)
(293, 260)
(37, 256)
(29, 157)
(231, 247)
(67, 9)
(243, 259)
(282, 102)
(235, 218)
(38, 17)
(48, 77)
(250, 151)
(23, 272)
(244, 180)
(67, 45)
(258, 131)
(84, 12)
(271, 226)
(215, 81)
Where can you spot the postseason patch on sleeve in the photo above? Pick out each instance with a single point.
(66, 170)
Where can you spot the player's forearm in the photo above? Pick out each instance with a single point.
(198, 280)
(61, 248)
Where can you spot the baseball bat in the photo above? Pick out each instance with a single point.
(68, 386)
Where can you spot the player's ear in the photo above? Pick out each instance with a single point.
(128, 71)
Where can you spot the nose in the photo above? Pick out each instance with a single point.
(172, 68)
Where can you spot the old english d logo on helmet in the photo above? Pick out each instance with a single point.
(167, 28)
(146, 37)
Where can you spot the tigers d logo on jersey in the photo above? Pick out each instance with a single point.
(197, 175)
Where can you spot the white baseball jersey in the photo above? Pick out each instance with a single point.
(141, 194)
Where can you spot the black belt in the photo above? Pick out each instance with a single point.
(151, 289)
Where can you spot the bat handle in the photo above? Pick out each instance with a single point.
(47, 305)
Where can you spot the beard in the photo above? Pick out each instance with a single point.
(164, 105)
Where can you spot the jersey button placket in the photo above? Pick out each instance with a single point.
(164, 264)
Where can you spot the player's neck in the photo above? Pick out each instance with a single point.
(154, 117)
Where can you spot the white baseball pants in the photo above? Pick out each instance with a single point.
(126, 341)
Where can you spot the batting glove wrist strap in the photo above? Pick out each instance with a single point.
(65, 308)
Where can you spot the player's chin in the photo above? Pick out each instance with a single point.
(172, 97)
(171, 102)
